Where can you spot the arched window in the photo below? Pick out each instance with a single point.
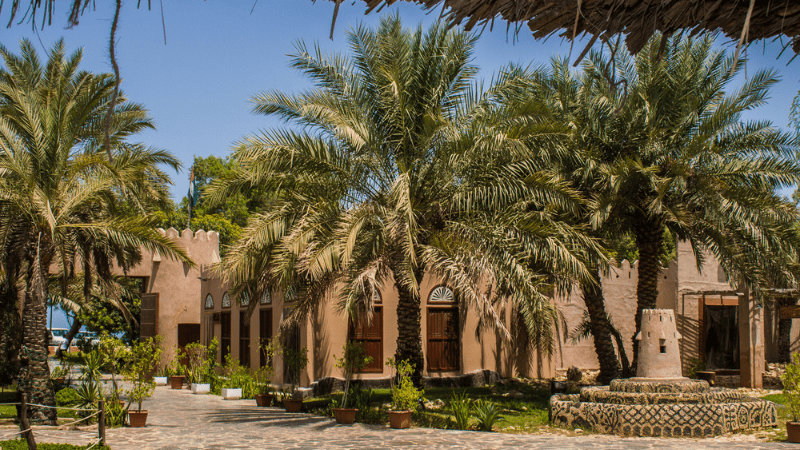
(226, 300)
(209, 301)
(244, 298)
(266, 298)
(443, 330)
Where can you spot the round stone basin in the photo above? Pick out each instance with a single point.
(602, 394)
(657, 408)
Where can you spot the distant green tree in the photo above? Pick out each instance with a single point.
(175, 217)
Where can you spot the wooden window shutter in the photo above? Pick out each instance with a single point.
(148, 319)
(370, 336)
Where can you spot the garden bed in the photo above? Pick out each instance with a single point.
(523, 407)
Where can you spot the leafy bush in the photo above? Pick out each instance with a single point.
(58, 372)
(363, 401)
(487, 414)
(238, 376)
(144, 357)
(296, 361)
(353, 359)
(115, 413)
(791, 386)
(90, 392)
(696, 365)
(201, 361)
(405, 396)
(460, 405)
(67, 397)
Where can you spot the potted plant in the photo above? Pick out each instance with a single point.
(232, 370)
(144, 357)
(263, 376)
(405, 396)
(200, 364)
(352, 360)
(791, 390)
(177, 371)
(296, 361)
(162, 376)
(115, 355)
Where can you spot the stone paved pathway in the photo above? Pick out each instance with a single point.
(181, 420)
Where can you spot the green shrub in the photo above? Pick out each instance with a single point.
(67, 397)
(353, 359)
(405, 396)
(21, 444)
(238, 376)
(791, 386)
(460, 405)
(487, 414)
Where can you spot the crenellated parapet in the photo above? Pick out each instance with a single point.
(202, 246)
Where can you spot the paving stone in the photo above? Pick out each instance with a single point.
(179, 420)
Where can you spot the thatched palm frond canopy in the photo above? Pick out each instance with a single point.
(746, 20)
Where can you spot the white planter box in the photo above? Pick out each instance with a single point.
(232, 394)
(160, 381)
(200, 388)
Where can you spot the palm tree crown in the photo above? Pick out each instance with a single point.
(61, 201)
(378, 181)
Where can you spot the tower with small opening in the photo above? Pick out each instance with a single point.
(659, 355)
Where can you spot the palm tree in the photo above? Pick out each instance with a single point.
(382, 180)
(56, 186)
(545, 111)
(667, 152)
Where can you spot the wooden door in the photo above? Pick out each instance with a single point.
(443, 342)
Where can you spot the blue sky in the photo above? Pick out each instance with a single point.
(197, 86)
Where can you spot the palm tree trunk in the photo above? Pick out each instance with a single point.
(649, 237)
(601, 330)
(34, 377)
(9, 333)
(409, 331)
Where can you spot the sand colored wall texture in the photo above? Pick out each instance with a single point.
(177, 284)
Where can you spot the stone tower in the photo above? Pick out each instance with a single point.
(659, 354)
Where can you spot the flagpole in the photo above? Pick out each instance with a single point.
(191, 199)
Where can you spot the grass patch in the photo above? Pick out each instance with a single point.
(21, 444)
(775, 398)
(526, 414)
(8, 413)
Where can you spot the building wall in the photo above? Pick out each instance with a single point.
(176, 283)
(325, 333)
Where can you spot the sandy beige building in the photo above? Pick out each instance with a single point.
(719, 325)
(171, 289)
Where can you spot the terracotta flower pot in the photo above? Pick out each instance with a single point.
(400, 419)
(264, 400)
(293, 406)
(176, 381)
(137, 418)
(793, 431)
(345, 416)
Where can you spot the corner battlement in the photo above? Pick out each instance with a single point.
(188, 237)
